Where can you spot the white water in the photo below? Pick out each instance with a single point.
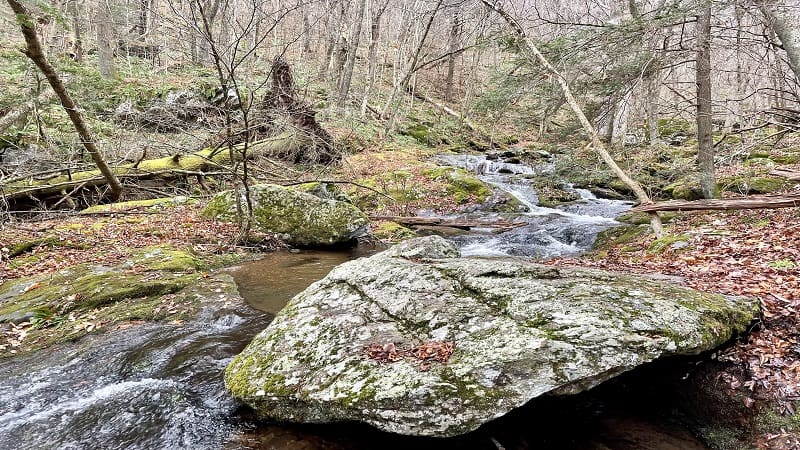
(566, 230)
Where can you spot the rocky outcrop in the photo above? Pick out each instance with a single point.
(416, 340)
(296, 217)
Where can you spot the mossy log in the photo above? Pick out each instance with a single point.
(178, 165)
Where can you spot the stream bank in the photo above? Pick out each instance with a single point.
(173, 374)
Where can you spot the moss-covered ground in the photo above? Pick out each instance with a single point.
(63, 278)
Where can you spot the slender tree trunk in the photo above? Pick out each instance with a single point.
(352, 49)
(375, 34)
(653, 93)
(597, 145)
(77, 48)
(705, 146)
(455, 30)
(330, 41)
(34, 51)
(141, 20)
(105, 40)
(619, 120)
(306, 31)
(404, 85)
(784, 24)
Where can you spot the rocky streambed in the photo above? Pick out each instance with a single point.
(418, 341)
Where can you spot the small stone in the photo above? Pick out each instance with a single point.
(678, 245)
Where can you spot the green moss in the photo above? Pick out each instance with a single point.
(619, 235)
(155, 203)
(435, 173)
(753, 185)
(551, 193)
(26, 246)
(720, 437)
(644, 218)
(661, 244)
(393, 232)
(770, 421)
(684, 189)
(165, 258)
(786, 159)
(463, 187)
(668, 127)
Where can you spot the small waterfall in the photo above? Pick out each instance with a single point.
(568, 229)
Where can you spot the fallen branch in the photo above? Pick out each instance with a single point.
(791, 175)
(452, 223)
(753, 202)
(193, 164)
(446, 109)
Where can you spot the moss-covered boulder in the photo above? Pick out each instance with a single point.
(419, 341)
(296, 217)
(393, 232)
(754, 185)
(552, 193)
(133, 289)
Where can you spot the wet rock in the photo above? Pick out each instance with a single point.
(296, 217)
(520, 330)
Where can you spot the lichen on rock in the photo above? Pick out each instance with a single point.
(296, 217)
(520, 330)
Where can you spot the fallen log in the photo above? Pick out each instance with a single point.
(197, 163)
(464, 224)
(752, 202)
(19, 114)
(791, 175)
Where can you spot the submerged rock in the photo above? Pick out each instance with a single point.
(365, 343)
(296, 217)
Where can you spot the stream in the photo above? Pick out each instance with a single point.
(159, 385)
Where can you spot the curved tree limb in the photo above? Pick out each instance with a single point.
(536, 56)
(34, 51)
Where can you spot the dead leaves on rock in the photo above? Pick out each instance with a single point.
(425, 354)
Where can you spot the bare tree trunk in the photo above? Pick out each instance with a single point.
(705, 146)
(330, 41)
(780, 19)
(404, 85)
(306, 31)
(455, 30)
(77, 48)
(352, 49)
(652, 93)
(619, 120)
(34, 52)
(105, 40)
(596, 144)
(375, 34)
(141, 19)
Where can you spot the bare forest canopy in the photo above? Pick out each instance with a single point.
(164, 79)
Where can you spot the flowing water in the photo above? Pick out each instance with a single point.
(566, 230)
(158, 385)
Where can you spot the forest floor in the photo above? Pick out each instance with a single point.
(752, 253)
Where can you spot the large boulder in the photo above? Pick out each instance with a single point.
(296, 217)
(418, 341)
